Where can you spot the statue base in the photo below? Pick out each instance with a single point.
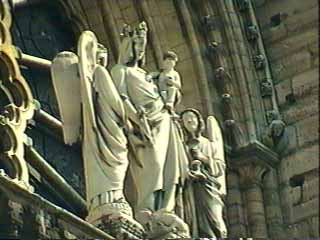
(117, 221)
(166, 225)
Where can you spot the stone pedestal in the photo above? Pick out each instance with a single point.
(121, 227)
(116, 219)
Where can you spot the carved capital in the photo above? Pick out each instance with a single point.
(251, 174)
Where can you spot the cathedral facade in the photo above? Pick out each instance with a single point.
(253, 64)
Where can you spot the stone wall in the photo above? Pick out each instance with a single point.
(106, 19)
(290, 33)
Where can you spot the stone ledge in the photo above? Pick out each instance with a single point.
(78, 226)
(256, 153)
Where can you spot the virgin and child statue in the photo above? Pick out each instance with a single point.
(138, 153)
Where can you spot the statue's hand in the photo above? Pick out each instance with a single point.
(197, 176)
(198, 155)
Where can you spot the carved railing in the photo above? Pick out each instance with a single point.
(16, 106)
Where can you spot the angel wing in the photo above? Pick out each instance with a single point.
(66, 83)
(87, 51)
(215, 136)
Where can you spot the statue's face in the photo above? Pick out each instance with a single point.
(190, 121)
(102, 58)
(139, 48)
(168, 63)
(278, 129)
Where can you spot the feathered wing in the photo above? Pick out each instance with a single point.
(215, 136)
(66, 83)
(87, 51)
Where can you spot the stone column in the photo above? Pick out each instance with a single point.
(272, 205)
(251, 176)
(236, 218)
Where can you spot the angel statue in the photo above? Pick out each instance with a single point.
(161, 160)
(207, 172)
(91, 110)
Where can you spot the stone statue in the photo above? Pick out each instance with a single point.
(169, 81)
(130, 116)
(166, 225)
(207, 171)
(161, 159)
(91, 110)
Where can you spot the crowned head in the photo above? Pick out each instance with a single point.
(133, 46)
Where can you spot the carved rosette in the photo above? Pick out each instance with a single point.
(16, 105)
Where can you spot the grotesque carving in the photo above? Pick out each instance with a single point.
(272, 115)
(266, 88)
(259, 61)
(252, 33)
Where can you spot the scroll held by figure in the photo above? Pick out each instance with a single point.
(130, 132)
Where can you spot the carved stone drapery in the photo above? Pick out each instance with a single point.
(16, 105)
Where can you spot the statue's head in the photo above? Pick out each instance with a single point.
(102, 55)
(133, 46)
(192, 122)
(170, 59)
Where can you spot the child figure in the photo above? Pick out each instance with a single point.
(169, 82)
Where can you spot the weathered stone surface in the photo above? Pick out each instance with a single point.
(306, 83)
(311, 189)
(308, 130)
(304, 160)
(292, 44)
(130, 15)
(291, 65)
(305, 209)
(305, 109)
